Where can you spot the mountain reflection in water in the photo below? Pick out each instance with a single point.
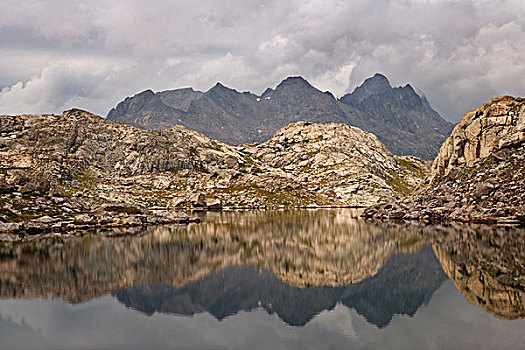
(292, 263)
(401, 287)
(302, 248)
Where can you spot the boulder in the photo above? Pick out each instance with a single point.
(197, 200)
(483, 189)
(213, 203)
(46, 219)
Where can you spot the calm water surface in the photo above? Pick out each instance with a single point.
(267, 280)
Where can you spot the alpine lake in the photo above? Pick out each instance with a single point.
(283, 279)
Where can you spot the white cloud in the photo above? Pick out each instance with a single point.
(459, 53)
(335, 81)
(62, 85)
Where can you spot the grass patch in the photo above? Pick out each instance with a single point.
(399, 184)
(411, 167)
(86, 179)
(8, 213)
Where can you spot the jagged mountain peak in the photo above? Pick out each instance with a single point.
(220, 87)
(377, 81)
(145, 93)
(377, 84)
(398, 116)
(293, 81)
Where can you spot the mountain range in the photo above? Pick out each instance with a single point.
(401, 119)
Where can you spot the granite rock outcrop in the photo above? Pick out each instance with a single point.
(67, 166)
(479, 174)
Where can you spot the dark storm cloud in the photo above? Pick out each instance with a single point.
(91, 54)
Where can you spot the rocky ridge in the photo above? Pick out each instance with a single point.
(404, 121)
(308, 164)
(479, 174)
(77, 170)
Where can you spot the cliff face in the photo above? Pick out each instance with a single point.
(401, 119)
(495, 126)
(479, 174)
(80, 161)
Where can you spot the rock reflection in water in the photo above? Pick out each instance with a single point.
(301, 247)
(308, 248)
(487, 264)
(269, 257)
(406, 282)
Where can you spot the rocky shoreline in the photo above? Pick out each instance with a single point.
(478, 176)
(117, 217)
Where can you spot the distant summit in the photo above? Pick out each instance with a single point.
(377, 83)
(402, 120)
(294, 82)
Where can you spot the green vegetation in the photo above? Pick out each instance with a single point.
(411, 167)
(86, 179)
(399, 184)
(64, 191)
(7, 212)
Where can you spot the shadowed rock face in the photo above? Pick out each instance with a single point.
(401, 119)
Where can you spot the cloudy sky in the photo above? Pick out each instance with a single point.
(56, 55)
